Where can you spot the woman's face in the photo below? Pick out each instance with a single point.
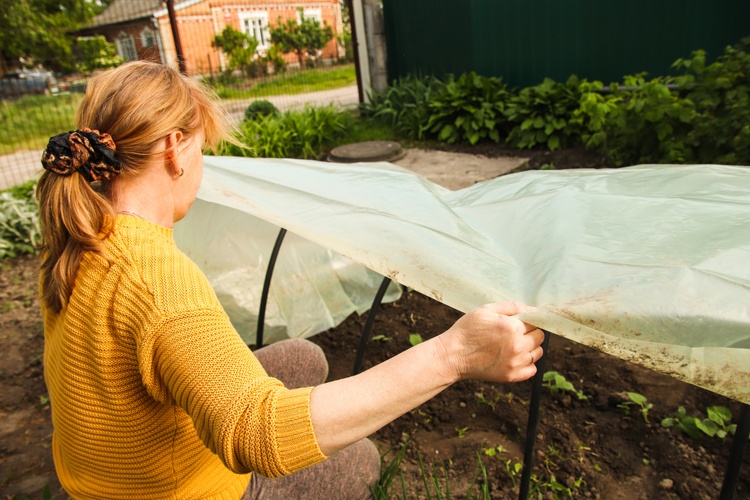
(190, 158)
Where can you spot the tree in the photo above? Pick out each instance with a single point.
(38, 31)
(96, 52)
(239, 47)
(345, 37)
(304, 38)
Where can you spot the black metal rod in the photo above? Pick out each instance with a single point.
(368, 324)
(536, 394)
(176, 37)
(267, 287)
(739, 445)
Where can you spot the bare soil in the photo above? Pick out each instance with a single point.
(584, 448)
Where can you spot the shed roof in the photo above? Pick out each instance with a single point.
(121, 11)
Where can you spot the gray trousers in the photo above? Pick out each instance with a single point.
(347, 474)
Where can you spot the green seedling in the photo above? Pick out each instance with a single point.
(426, 417)
(557, 383)
(637, 400)
(381, 338)
(461, 431)
(717, 424)
(415, 339)
(497, 450)
(513, 469)
(485, 401)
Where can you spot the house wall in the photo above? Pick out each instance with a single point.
(199, 23)
(134, 31)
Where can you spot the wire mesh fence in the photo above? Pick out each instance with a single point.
(291, 53)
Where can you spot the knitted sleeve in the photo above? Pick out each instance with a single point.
(198, 361)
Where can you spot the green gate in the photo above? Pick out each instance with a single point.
(524, 41)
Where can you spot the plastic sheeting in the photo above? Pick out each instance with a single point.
(648, 263)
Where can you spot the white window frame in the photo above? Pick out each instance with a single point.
(148, 35)
(311, 13)
(126, 47)
(258, 31)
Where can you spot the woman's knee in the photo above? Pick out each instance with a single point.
(296, 362)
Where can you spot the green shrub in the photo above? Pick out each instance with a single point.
(19, 221)
(404, 105)
(721, 95)
(542, 115)
(470, 108)
(649, 124)
(259, 108)
(294, 134)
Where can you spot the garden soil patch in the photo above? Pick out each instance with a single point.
(585, 448)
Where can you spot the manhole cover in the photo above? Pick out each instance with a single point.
(367, 151)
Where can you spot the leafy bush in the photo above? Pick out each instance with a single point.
(404, 104)
(469, 109)
(293, 134)
(274, 59)
(95, 52)
(649, 124)
(305, 37)
(19, 221)
(240, 48)
(721, 95)
(259, 108)
(542, 115)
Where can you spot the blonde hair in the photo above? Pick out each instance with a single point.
(138, 104)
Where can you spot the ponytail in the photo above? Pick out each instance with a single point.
(74, 219)
(135, 106)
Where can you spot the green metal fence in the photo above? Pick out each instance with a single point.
(524, 41)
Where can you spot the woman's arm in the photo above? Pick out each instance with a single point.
(485, 344)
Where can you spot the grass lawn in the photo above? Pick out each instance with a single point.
(297, 82)
(29, 122)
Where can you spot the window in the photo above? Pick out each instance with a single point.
(126, 47)
(316, 14)
(255, 24)
(148, 39)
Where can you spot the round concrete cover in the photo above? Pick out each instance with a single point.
(366, 151)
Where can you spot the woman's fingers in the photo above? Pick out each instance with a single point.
(536, 354)
(507, 308)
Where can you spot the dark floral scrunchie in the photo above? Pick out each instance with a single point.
(84, 151)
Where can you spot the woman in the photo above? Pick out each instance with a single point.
(154, 395)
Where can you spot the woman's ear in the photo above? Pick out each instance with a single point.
(172, 151)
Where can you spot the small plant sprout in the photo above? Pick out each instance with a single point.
(717, 424)
(513, 469)
(381, 338)
(497, 450)
(491, 402)
(557, 383)
(637, 400)
(415, 339)
(426, 417)
(461, 431)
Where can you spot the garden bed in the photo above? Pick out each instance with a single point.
(587, 448)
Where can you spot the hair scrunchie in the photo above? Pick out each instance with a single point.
(85, 151)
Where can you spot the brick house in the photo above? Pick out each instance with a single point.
(140, 29)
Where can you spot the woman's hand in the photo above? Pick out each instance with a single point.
(488, 343)
(485, 344)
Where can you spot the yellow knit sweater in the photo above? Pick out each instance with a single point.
(154, 394)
